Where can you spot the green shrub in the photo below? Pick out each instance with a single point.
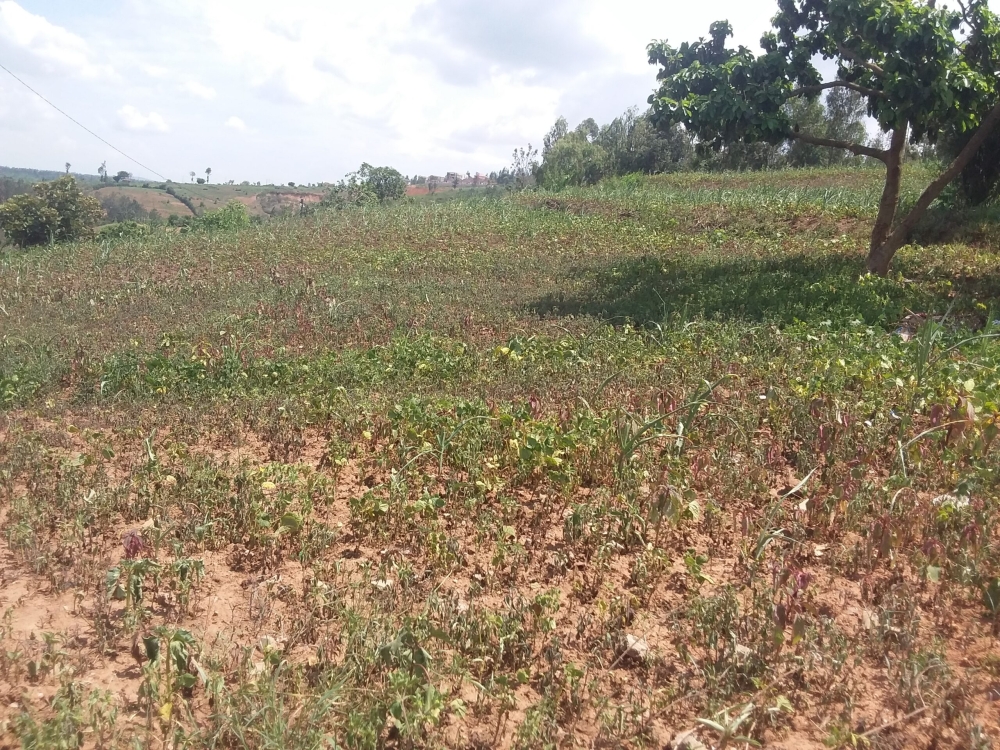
(124, 230)
(57, 212)
(234, 215)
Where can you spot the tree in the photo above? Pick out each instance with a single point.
(201, 180)
(27, 220)
(385, 183)
(920, 69)
(122, 176)
(588, 129)
(208, 174)
(558, 131)
(523, 168)
(979, 182)
(739, 157)
(845, 121)
(103, 171)
(10, 187)
(68, 165)
(57, 212)
(504, 177)
(118, 207)
(634, 145)
(369, 185)
(807, 115)
(574, 160)
(193, 175)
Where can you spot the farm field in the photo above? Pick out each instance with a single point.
(261, 201)
(583, 469)
(150, 199)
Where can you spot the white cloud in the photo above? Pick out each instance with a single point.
(426, 86)
(341, 64)
(199, 90)
(20, 110)
(155, 71)
(46, 47)
(132, 119)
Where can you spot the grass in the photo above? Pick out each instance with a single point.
(426, 474)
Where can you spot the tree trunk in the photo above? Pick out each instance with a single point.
(880, 257)
(890, 192)
(881, 253)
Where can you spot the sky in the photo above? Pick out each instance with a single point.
(307, 90)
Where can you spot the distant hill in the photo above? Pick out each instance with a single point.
(43, 175)
(143, 197)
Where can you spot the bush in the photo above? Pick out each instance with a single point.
(27, 221)
(124, 230)
(348, 194)
(234, 215)
(57, 212)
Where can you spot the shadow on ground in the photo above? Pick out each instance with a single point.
(977, 226)
(807, 288)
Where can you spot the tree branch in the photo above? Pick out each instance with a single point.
(966, 13)
(853, 57)
(901, 232)
(834, 85)
(855, 148)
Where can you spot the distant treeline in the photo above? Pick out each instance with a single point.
(632, 143)
(123, 208)
(43, 175)
(9, 187)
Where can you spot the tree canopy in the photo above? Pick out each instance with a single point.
(368, 185)
(385, 183)
(921, 70)
(572, 158)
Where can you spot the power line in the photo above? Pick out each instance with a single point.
(74, 120)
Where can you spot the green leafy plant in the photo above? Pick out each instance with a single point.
(727, 726)
(58, 211)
